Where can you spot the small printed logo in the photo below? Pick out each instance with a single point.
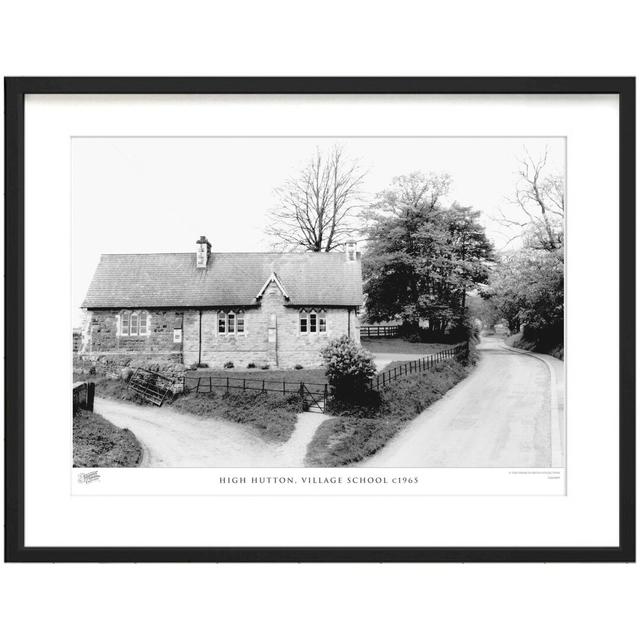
(90, 476)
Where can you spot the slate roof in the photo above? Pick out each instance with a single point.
(230, 279)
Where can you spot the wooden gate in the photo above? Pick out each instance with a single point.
(314, 397)
(151, 385)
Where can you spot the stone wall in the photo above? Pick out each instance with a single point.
(271, 336)
(254, 346)
(101, 338)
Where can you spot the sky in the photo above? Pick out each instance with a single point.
(148, 195)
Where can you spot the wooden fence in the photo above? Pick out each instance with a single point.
(425, 363)
(312, 392)
(206, 384)
(83, 395)
(379, 331)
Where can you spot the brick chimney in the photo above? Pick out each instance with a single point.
(203, 251)
(351, 250)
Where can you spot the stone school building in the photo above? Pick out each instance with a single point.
(212, 308)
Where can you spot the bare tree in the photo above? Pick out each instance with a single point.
(317, 209)
(540, 196)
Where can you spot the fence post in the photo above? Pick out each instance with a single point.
(91, 392)
(227, 384)
(301, 391)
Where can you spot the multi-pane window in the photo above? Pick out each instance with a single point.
(231, 322)
(134, 323)
(313, 322)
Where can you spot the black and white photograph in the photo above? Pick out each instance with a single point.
(319, 302)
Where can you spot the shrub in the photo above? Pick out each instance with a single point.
(228, 365)
(251, 365)
(349, 367)
(202, 365)
(265, 366)
(126, 373)
(298, 366)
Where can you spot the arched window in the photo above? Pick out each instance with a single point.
(222, 322)
(134, 324)
(124, 323)
(144, 323)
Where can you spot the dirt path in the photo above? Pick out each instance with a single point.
(173, 439)
(507, 413)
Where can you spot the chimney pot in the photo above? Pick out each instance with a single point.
(351, 250)
(203, 251)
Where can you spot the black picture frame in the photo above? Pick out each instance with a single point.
(15, 91)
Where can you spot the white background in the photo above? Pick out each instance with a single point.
(403, 38)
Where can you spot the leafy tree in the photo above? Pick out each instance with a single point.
(422, 257)
(527, 288)
(483, 309)
(316, 209)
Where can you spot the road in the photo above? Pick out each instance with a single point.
(509, 412)
(173, 439)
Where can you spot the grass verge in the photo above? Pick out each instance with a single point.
(517, 341)
(362, 429)
(274, 416)
(98, 443)
(399, 345)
